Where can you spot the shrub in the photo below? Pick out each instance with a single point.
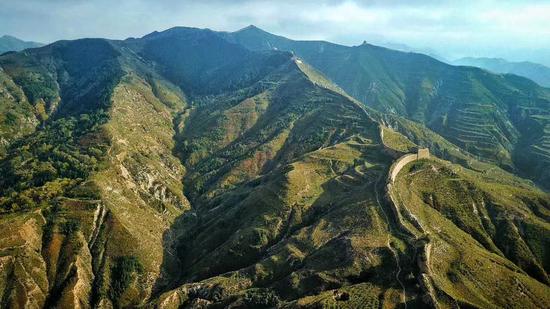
(260, 298)
(69, 227)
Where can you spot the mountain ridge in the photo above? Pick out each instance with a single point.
(534, 71)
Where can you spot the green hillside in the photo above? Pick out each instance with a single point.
(471, 225)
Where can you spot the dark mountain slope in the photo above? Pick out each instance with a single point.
(99, 168)
(81, 73)
(58, 89)
(274, 171)
(278, 216)
(503, 119)
(210, 64)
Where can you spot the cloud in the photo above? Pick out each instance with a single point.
(452, 27)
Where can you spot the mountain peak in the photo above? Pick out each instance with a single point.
(251, 28)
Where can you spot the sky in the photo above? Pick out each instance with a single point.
(514, 29)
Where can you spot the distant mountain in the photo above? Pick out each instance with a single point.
(501, 118)
(534, 71)
(406, 48)
(10, 43)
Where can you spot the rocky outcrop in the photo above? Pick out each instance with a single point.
(43, 264)
(425, 279)
(78, 291)
(23, 275)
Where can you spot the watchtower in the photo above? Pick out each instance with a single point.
(423, 153)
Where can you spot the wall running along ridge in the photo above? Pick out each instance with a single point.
(423, 153)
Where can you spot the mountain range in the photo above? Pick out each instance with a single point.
(534, 71)
(192, 168)
(10, 43)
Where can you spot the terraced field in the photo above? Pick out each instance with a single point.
(474, 128)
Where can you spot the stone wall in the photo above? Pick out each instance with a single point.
(400, 163)
(423, 153)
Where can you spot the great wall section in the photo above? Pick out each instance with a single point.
(419, 239)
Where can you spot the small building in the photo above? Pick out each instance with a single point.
(423, 153)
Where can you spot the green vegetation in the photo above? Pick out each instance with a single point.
(259, 298)
(51, 162)
(70, 227)
(397, 141)
(363, 295)
(17, 116)
(123, 272)
(483, 215)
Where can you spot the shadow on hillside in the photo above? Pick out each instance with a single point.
(200, 233)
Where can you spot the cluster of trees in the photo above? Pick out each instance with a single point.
(51, 161)
(260, 298)
(122, 273)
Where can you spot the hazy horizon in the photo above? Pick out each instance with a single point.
(514, 30)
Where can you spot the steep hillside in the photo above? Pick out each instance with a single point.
(17, 116)
(470, 227)
(95, 194)
(200, 62)
(288, 180)
(503, 119)
(534, 71)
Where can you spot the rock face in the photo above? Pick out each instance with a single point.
(41, 270)
(23, 282)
